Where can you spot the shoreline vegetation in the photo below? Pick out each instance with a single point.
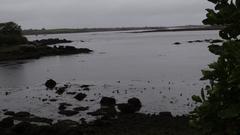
(134, 29)
(14, 46)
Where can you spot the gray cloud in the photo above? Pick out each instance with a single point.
(102, 13)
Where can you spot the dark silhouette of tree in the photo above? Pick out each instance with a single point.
(11, 34)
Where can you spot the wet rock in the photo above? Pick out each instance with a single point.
(22, 114)
(135, 102)
(86, 89)
(71, 93)
(198, 41)
(50, 84)
(80, 96)
(7, 93)
(44, 99)
(22, 127)
(216, 41)
(68, 112)
(65, 123)
(126, 108)
(85, 86)
(34, 119)
(81, 108)
(166, 115)
(61, 90)
(50, 41)
(104, 111)
(108, 101)
(133, 105)
(63, 106)
(53, 100)
(11, 113)
(177, 43)
(6, 123)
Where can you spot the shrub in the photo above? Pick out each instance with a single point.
(219, 110)
(11, 34)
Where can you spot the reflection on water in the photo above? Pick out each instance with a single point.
(147, 66)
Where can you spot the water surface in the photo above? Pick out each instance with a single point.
(144, 65)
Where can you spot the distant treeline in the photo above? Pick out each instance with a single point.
(137, 29)
(83, 30)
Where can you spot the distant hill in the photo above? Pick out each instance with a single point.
(135, 29)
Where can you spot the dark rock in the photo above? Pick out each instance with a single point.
(6, 123)
(22, 127)
(4, 110)
(216, 41)
(108, 101)
(7, 93)
(80, 108)
(85, 86)
(50, 84)
(65, 123)
(126, 108)
(33, 119)
(71, 93)
(63, 106)
(53, 100)
(166, 115)
(104, 111)
(80, 96)
(86, 89)
(133, 105)
(177, 43)
(135, 102)
(68, 112)
(50, 41)
(199, 41)
(61, 90)
(42, 120)
(11, 113)
(22, 114)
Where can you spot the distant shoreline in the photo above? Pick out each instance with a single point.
(132, 29)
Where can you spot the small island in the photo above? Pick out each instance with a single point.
(14, 46)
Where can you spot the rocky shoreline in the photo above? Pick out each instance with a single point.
(111, 118)
(127, 124)
(30, 51)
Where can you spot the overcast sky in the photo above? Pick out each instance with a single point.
(102, 13)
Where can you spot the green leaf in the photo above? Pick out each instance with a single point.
(197, 99)
(202, 95)
(238, 3)
(231, 112)
(224, 35)
(216, 49)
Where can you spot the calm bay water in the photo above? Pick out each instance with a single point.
(145, 65)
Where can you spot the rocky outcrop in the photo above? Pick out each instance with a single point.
(50, 84)
(50, 41)
(80, 96)
(133, 106)
(108, 101)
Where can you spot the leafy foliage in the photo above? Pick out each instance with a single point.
(219, 112)
(11, 34)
